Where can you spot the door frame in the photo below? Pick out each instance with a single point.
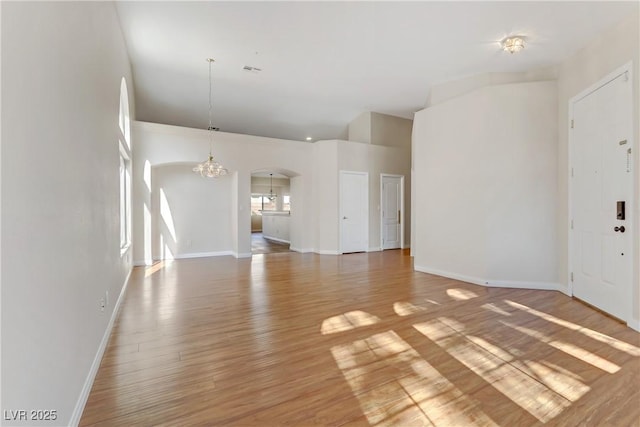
(390, 175)
(625, 69)
(341, 213)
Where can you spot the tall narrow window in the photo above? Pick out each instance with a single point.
(124, 145)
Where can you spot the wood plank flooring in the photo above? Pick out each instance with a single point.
(360, 339)
(260, 245)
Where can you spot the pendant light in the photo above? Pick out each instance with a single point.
(272, 196)
(210, 168)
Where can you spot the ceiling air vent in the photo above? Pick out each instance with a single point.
(252, 69)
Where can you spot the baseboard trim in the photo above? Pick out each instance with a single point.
(564, 289)
(377, 249)
(93, 371)
(184, 256)
(326, 252)
(302, 251)
(545, 286)
(634, 324)
(241, 254)
(541, 286)
(203, 254)
(275, 239)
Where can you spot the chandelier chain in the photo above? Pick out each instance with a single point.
(210, 168)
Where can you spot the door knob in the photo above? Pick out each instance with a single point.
(344, 217)
(620, 229)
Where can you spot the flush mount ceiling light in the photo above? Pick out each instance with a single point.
(512, 44)
(210, 168)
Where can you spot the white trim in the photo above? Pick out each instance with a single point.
(634, 323)
(186, 256)
(88, 383)
(376, 249)
(241, 254)
(564, 289)
(626, 68)
(301, 250)
(455, 276)
(275, 239)
(402, 209)
(142, 263)
(325, 252)
(203, 254)
(543, 286)
(125, 249)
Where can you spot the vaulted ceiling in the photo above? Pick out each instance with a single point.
(323, 63)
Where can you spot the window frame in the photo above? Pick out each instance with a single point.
(262, 203)
(124, 173)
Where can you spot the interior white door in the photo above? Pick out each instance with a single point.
(354, 211)
(601, 181)
(391, 197)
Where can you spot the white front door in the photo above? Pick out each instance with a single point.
(391, 198)
(354, 211)
(601, 182)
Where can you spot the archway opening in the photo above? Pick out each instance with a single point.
(270, 212)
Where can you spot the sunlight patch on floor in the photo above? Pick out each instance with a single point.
(348, 321)
(461, 294)
(396, 386)
(492, 364)
(403, 308)
(495, 309)
(570, 349)
(155, 268)
(558, 379)
(615, 343)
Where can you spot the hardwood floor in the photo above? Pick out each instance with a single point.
(260, 245)
(360, 339)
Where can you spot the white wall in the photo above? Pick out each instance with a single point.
(452, 89)
(375, 159)
(191, 216)
(485, 186)
(330, 157)
(303, 216)
(381, 129)
(158, 144)
(609, 51)
(313, 168)
(390, 130)
(359, 130)
(325, 197)
(62, 64)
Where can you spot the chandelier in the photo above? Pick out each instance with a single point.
(210, 168)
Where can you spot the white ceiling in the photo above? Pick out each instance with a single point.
(326, 62)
